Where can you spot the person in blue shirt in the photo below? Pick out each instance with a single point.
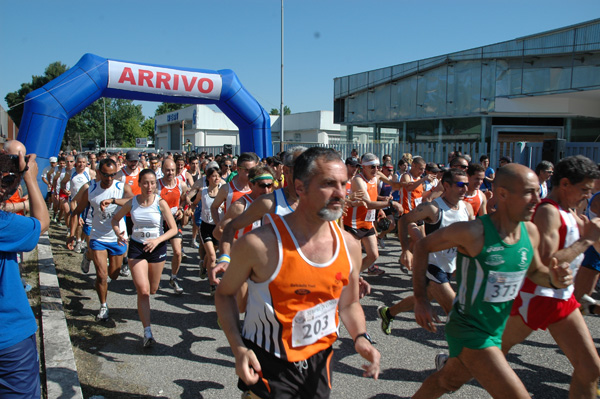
(19, 363)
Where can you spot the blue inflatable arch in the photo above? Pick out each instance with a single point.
(48, 108)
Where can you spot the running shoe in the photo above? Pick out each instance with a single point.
(85, 264)
(385, 321)
(213, 289)
(203, 272)
(381, 242)
(440, 360)
(195, 244)
(375, 271)
(149, 341)
(173, 282)
(125, 270)
(77, 248)
(102, 314)
(587, 303)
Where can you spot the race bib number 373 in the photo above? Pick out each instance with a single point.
(309, 325)
(503, 286)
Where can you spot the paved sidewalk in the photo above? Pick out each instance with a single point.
(192, 358)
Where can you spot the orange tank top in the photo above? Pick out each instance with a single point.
(475, 200)
(132, 180)
(293, 315)
(171, 194)
(411, 199)
(234, 194)
(360, 217)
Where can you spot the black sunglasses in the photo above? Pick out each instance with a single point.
(108, 174)
(265, 185)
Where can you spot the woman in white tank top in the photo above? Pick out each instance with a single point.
(147, 247)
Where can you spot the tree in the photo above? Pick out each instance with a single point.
(148, 128)
(165, 108)
(286, 111)
(16, 98)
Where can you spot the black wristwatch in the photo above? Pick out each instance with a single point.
(365, 336)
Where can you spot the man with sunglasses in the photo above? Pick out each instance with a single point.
(282, 201)
(544, 171)
(358, 221)
(103, 240)
(441, 212)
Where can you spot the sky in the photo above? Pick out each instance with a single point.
(323, 39)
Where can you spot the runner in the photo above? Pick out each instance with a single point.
(587, 276)
(290, 363)
(494, 254)
(231, 192)
(173, 190)
(207, 196)
(474, 195)
(359, 220)
(103, 241)
(564, 236)
(441, 212)
(148, 245)
(63, 192)
(79, 176)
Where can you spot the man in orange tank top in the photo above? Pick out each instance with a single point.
(302, 289)
(359, 220)
(474, 195)
(229, 193)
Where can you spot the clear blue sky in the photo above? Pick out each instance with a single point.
(323, 38)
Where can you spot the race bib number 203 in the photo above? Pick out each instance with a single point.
(309, 325)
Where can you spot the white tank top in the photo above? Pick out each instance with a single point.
(78, 180)
(207, 201)
(446, 259)
(282, 207)
(147, 220)
(101, 226)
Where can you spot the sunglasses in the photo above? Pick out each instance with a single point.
(371, 166)
(108, 174)
(265, 185)
(227, 166)
(462, 166)
(461, 184)
(8, 179)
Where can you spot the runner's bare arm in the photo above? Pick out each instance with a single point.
(125, 209)
(359, 187)
(235, 210)
(467, 237)
(219, 199)
(547, 219)
(249, 253)
(352, 315)
(555, 275)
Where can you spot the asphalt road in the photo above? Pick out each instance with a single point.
(192, 358)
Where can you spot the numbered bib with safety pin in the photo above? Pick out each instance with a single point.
(145, 234)
(503, 286)
(309, 325)
(370, 217)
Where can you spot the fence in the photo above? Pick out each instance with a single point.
(529, 154)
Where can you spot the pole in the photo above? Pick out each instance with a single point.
(182, 135)
(104, 101)
(281, 130)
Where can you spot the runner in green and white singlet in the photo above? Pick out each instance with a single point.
(494, 254)
(487, 285)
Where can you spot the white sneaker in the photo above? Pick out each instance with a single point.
(85, 264)
(587, 302)
(195, 244)
(102, 314)
(175, 285)
(440, 360)
(125, 270)
(77, 248)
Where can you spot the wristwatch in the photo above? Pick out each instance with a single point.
(365, 336)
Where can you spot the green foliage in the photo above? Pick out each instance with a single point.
(275, 111)
(124, 120)
(165, 108)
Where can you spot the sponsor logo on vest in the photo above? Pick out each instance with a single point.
(494, 260)
(302, 291)
(495, 248)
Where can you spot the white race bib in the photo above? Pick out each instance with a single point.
(174, 210)
(418, 201)
(144, 233)
(370, 217)
(503, 286)
(309, 325)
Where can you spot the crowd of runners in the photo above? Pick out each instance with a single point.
(290, 243)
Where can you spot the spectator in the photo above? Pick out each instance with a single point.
(544, 171)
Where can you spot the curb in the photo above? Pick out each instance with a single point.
(62, 380)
